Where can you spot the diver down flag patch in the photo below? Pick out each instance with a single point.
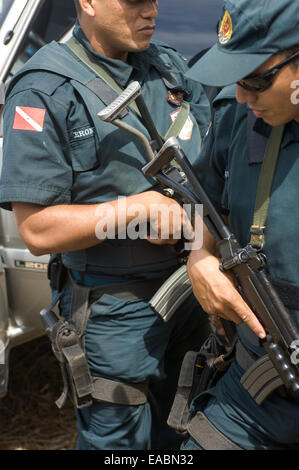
(29, 119)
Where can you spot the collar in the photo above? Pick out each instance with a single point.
(258, 133)
(138, 63)
(291, 134)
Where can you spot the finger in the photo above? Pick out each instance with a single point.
(240, 312)
(244, 315)
(247, 316)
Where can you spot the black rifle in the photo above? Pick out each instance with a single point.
(277, 367)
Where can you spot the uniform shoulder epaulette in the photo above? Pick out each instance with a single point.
(43, 81)
(159, 48)
(51, 59)
(162, 45)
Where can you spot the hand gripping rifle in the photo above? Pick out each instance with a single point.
(277, 367)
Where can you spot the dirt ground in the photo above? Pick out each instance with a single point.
(29, 418)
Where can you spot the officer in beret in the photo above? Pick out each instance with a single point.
(256, 61)
(61, 164)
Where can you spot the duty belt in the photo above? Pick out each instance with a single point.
(67, 338)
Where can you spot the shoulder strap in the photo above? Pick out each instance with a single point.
(264, 187)
(179, 122)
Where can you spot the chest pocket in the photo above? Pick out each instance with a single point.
(83, 148)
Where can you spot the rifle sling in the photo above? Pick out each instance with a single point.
(264, 187)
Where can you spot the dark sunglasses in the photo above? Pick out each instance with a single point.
(263, 81)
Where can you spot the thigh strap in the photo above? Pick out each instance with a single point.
(111, 391)
(207, 435)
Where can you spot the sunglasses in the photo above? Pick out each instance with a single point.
(263, 81)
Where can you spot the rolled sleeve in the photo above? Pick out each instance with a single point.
(35, 166)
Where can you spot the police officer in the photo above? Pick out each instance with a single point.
(256, 60)
(61, 165)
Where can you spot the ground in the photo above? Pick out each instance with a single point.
(29, 418)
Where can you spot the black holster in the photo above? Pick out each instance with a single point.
(200, 371)
(66, 345)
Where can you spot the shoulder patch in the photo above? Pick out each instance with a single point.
(29, 119)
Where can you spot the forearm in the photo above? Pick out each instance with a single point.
(56, 229)
(63, 228)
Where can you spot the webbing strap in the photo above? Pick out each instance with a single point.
(79, 50)
(79, 309)
(104, 92)
(207, 435)
(264, 187)
(179, 415)
(121, 393)
(179, 122)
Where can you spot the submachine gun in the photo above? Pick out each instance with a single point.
(170, 167)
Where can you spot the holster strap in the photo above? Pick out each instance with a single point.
(207, 435)
(121, 393)
(180, 413)
(200, 370)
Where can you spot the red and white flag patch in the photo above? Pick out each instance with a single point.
(29, 119)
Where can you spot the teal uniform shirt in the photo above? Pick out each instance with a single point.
(66, 155)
